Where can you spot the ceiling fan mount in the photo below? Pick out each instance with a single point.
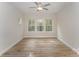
(40, 6)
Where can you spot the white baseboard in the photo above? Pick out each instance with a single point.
(40, 37)
(74, 49)
(1, 53)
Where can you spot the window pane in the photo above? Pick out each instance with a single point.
(48, 28)
(48, 22)
(31, 22)
(40, 28)
(31, 28)
(39, 23)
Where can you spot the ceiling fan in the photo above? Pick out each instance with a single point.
(40, 6)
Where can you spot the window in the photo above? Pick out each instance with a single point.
(48, 24)
(31, 25)
(40, 25)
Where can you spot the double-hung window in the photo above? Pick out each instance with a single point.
(48, 25)
(40, 25)
(31, 25)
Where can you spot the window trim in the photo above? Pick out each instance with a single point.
(44, 30)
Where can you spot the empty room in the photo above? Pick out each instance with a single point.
(39, 29)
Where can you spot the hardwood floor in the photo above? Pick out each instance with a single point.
(40, 48)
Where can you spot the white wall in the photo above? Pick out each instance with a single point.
(10, 31)
(36, 33)
(68, 25)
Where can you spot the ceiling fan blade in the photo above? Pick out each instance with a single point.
(46, 5)
(32, 7)
(45, 8)
(36, 3)
(39, 3)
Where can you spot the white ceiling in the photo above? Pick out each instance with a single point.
(52, 9)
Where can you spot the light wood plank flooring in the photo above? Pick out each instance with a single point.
(40, 48)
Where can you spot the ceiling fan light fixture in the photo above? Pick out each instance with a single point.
(39, 8)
